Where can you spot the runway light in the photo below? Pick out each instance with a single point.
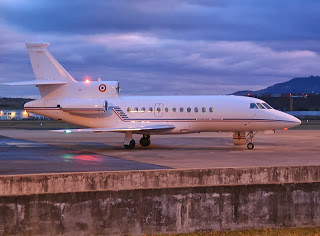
(285, 129)
(87, 81)
(68, 131)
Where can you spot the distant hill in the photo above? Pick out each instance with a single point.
(297, 85)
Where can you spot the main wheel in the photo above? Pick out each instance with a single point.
(145, 142)
(131, 145)
(250, 146)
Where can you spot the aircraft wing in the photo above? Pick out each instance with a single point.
(128, 129)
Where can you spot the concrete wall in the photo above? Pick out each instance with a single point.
(128, 180)
(144, 202)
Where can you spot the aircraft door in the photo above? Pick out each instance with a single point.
(158, 110)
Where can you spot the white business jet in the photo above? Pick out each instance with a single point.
(98, 106)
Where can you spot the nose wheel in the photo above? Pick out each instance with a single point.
(250, 146)
(249, 139)
(145, 141)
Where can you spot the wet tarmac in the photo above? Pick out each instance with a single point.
(43, 151)
(18, 156)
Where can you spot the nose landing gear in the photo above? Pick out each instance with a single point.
(249, 139)
(250, 146)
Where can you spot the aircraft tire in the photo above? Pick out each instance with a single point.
(145, 142)
(250, 146)
(131, 145)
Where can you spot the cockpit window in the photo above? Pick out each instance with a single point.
(260, 106)
(267, 105)
(253, 106)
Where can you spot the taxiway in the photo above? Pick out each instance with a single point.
(43, 151)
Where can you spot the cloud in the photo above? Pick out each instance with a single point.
(165, 47)
(214, 20)
(207, 57)
(145, 63)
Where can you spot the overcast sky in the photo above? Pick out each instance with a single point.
(164, 47)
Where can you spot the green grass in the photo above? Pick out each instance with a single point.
(314, 231)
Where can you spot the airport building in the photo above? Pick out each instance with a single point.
(19, 114)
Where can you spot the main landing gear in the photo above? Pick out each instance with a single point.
(129, 142)
(249, 139)
(145, 140)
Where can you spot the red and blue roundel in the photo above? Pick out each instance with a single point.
(102, 88)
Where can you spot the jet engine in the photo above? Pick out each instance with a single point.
(84, 106)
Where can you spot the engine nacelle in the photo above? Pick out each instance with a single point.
(84, 106)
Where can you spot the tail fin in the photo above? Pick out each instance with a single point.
(45, 67)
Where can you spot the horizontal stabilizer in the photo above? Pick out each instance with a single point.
(129, 129)
(36, 82)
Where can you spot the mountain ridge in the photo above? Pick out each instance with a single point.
(299, 85)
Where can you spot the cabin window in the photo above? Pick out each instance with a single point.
(196, 109)
(143, 109)
(150, 109)
(253, 106)
(267, 105)
(211, 109)
(174, 109)
(203, 109)
(260, 106)
(129, 109)
(188, 109)
(136, 109)
(166, 109)
(158, 109)
(181, 109)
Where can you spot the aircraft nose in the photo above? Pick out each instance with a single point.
(288, 121)
(293, 121)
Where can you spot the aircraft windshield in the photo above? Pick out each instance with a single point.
(267, 105)
(260, 106)
(253, 106)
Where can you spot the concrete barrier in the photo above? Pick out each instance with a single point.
(152, 179)
(159, 201)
